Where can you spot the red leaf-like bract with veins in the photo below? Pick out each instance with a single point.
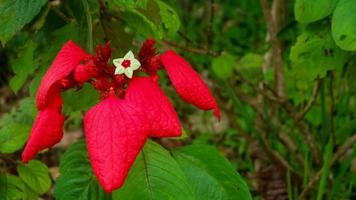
(188, 83)
(162, 117)
(115, 134)
(46, 132)
(66, 60)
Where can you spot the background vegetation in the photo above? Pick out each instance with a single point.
(283, 73)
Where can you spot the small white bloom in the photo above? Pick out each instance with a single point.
(126, 65)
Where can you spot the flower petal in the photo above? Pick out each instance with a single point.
(117, 62)
(119, 70)
(128, 72)
(66, 60)
(163, 119)
(135, 64)
(188, 83)
(129, 55)
(115, 134)
(46, 132)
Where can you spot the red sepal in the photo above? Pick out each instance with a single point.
(188, 83)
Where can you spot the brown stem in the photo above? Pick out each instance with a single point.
(210, 25)
(272, 28)
(312, 100)
(302, 125)
(192, 49)
(60, 14)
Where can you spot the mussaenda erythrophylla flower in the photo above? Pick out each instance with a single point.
(133, 108)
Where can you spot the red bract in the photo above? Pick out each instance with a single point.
(132, 109)
(187, 82)
(115, 134)
(66, 60)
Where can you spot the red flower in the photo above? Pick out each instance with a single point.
(133, 108)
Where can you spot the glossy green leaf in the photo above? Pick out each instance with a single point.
(141, 24)
(314, 53)
(88, 97)
(307, 11)
(13, 137)
(343, 25)
(170, 18)
(23, 66)
(224, 65)
(36, 176)
(77, 180)
(210, 175)
(155, 176)
(82, 15)
(14, 14)
(11, 187)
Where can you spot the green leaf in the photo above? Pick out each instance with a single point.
(77, 180)
(210, 175)
(13, 137)
(50, 49)
(314, 54)
(11, 187)
(88, 97)
(140, 23)
(169, 16)
(155, 176)
(224, 65)
(23, 114)
(343, 25)
(14, 14)
(36, 176)
(250, 60)
(81, 12)
(307, 11)
(29, 194)
(126, 4)
(23, 66)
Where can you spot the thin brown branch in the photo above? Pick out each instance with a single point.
(60, 14)
(210, 24)
(191, 49)
(272, 28)
(311, 101)
(302, 125)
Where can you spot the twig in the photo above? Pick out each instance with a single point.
(272, 28)
(102, 17)
(312, 100)
(192, 49)
(339, 153)
(60, 14)
(185, 37)
(8, 159)
(291, 111)
(210, 24)
(302, 126)
(332, 106)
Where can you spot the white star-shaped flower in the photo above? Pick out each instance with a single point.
(126, 65)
